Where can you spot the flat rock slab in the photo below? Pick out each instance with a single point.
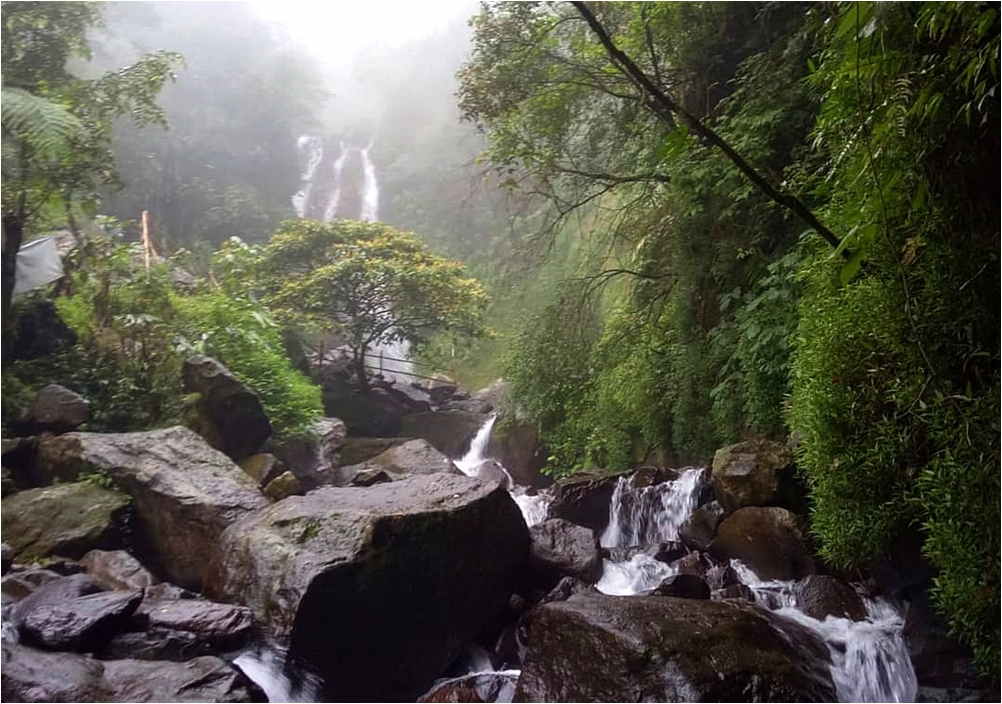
(379, 588)
(82, 624)
(186, 493)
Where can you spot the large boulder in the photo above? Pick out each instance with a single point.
(375, 413)
(477, 687)
(561, 549)
(83, 624)
(313, 457)
(31, 675)
(700, 528)
(357, 450)
(449, 431)
(409, 458)
(63, 519)
(754, 473)
(55, 409)
(683, 586)
(820, 596)
(584, 498)
(594, 647)
(516, 445)
(769, 540)
(230, 416)
(378, 588)
(185, 492)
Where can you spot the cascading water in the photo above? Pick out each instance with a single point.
(370, 188)
(869, 659)
(640, 516)
(533, 508)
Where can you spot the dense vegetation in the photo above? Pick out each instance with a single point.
(757, 219)
(700, 309)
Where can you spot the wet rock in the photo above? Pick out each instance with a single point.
(492, 471)
(561, 549)
(6, 557)
(202, 679)
(313, 458)
(30, 675)
(940, 661)
(55, 409)
(117, 569)
(230, 415)
(699, 530)
(753, 473)
(666, 552)
(370, 477)
(696, 564)
(478, 687)
(441, 390)
(820, 596)
(373, 414)
(769, 540)
(583, 498)
(83, 624)
(17, 585)
(720, 576)
(655, 648)
(379, 588)
(683, 586)
(185, 492)
(262, 467)
(517, 446)
(734, 591)
(565, 589)
(651, 476)
(283, 486)
(450, 432)
(400, 461)
(46, 591)
(357, 450)
(64, 519)
(19, 471)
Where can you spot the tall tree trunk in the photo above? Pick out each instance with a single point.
(359, 362)
(13, 235)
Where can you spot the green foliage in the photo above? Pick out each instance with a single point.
(370, 282)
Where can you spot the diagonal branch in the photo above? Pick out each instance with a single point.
(666, 108)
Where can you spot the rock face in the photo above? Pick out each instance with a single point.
(379, 588)
(480, 687)
(517, 447)
(409, 458)
(64, 519)
(312, 459)
(700, 528)
(561, 549)
(450, 432)
(583, 498)
(357, 450)
(751, 473)
(230, 416)
(767, 539)
(56, 409)
(820, 596)
(683, 586)
(373, 414)
(83, 624)
(185, 492)
(31, 675)
(116, 569)
(594, 647)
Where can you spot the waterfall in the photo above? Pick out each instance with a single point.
(324, 179)
(869, 658)
(652, 514)
(335, 197)
(533, 507)
(370, 188)
(267, 667)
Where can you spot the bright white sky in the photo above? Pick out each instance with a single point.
(337, 29)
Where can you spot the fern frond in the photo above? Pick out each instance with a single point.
(39, 124)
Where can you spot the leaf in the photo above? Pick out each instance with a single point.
(851, 267)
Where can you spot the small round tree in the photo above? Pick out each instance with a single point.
(376, 284)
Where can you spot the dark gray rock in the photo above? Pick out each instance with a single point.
(314, 457)
(699, 530)
(30, 675)
(561, 549)
(283, 486)
(769, 540)
(450, 432)
(55, 409)
(64, 519)
(820, 596)
(202, 679)
(734, 591)
(6, 557)
(517, 446)
(583, 498)
(357, 450)
(185, 492)
(594, 647)
(262, 467)
(666, 552)
(720, 576)
(379, 588)
(565, 589)
(752, 473)
(230, 415)
(400, 461)
(48, 592)
(117, 569)
(82, 624)
(683, 586)
(17, 585)
(492, 471)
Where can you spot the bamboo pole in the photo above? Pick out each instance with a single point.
(146, 238)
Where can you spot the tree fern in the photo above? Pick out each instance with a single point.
(41, 125)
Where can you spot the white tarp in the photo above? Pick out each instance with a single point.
(38, 264)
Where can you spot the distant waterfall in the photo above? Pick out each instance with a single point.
(370, 189)
(338, 180)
